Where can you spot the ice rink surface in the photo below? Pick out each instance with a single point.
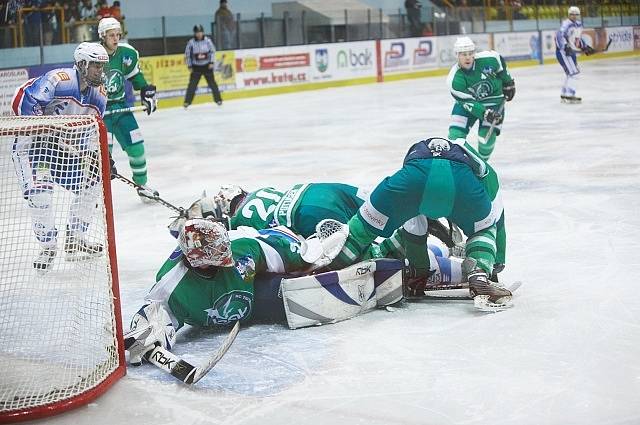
(567, 353)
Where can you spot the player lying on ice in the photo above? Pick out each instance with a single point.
(215, 278)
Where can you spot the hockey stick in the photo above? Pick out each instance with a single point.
(183, 370)
(156, 198)
(435, 288)
(606, 48)
(129, 109)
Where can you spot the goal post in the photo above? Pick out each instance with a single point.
(61, 342)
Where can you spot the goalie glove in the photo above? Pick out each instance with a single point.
(151, 326)
(322, 247)
(148, 98)
(509, 90)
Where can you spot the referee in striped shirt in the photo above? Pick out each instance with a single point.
(200, 57)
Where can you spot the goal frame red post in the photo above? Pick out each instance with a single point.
(90, 394)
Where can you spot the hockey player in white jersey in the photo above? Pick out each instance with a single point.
(42, 161)
(569, 41)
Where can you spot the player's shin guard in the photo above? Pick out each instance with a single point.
(138, 163)
(356, 244)
(481, 247)
(485, 147)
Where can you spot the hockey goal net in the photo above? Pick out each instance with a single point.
(60, 326)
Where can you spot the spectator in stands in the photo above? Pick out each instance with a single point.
(517, 10)
(413, 14)
(85, 31)
(50, 23)
(464, 11)
(225, 26)
(32, 20)
(200, 57)
(115, 11)
(103, 10)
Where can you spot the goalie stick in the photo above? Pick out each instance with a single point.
(180, 368)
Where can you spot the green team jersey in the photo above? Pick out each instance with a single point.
(299, 208)
(123, 65)
(480, 86)
(224, 295)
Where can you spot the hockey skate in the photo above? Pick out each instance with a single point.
(570, 99)
(487, 295)
(44, 260)
(147, 195)
(77, 248)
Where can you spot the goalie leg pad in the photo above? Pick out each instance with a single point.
(339, 295)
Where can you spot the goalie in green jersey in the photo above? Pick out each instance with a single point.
(217, 277)
(123, 65)
(480, 83)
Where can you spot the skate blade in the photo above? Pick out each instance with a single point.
(77, 257)
(42, 271)
(482, 303)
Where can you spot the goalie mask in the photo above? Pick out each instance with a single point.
(205, 243)
(229, 198)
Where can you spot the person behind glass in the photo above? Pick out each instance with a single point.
(225, 26)
(200, 56)
(413, 14)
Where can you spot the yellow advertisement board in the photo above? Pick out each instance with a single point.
(170, 74)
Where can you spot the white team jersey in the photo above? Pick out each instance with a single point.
(58, 93)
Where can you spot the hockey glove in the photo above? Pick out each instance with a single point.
(148, 98)
(509, 90)
(492, 116)
(588, 50)
(568, 50)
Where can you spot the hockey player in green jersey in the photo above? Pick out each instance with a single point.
(480, 83)
(439, 178)
(299, 208)
(209, 278)
(123, 65)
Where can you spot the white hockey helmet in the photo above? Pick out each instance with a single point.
(574, 10)
(228, 198)
(107, 24)
(205, 243)
(87, 53)
(463, 44)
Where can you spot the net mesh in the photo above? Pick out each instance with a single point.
(58, 334)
